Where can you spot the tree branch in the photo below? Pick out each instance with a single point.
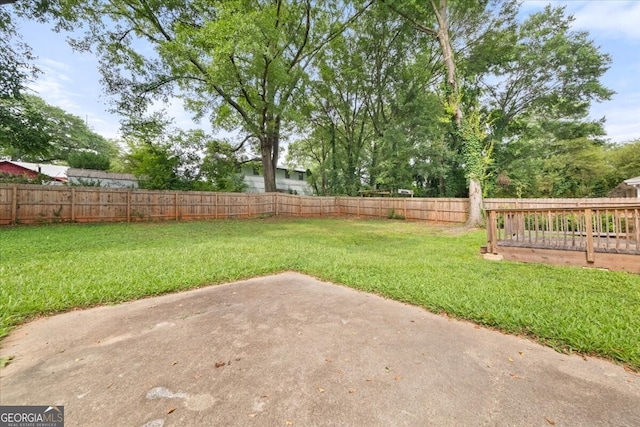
(418, 26)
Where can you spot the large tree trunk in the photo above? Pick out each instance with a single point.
(475, 190)
(475, 203)
(269, 145)
(269, 168)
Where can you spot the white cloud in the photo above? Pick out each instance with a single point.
(55, 87)
(612, 19)
(621, 117)
(52, 64)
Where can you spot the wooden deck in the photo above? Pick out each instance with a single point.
(601, 237)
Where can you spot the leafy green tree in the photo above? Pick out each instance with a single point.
(23, 129)
(362, 127)
(21, 123)
(315, 153)
(155, 166)
(243, 61)
(16, 66)
(433, 18)
(555, 159)
(89, 160)
(34, 123)
(221, 167)
(546, 70)
(165, 158)
(624, 162)
(338, 97)
(543, 82)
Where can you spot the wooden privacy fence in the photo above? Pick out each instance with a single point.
(25, 204)
(597, 236)
(40, 204)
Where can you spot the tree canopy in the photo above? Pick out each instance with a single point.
(35, 131)
(446, 97)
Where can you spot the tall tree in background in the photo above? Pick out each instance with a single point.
(166, 158)
(370, 83)
(546, 77)
(21, 123)
(433, 19)
(243, 61)
(64, 133)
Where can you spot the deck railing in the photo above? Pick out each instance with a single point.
(607, 229)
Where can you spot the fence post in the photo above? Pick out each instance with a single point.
(277, 203)
(73, 204)
(215, 214)
(14, 204)
(589, 234)
(404, 207)
(175, 205)
(128, 206)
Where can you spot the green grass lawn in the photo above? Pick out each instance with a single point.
(47, 269)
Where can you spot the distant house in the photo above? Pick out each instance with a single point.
(97, 178)
(53, 173)
(292, 181)
(634, 182)
(59, 175)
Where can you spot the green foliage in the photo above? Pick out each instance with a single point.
(221, 167)
(16, 65)
(164, 158)
(376, 98)
(9, 178)
(23, 129)
(625, 162)
(243, 62)
(555, 159)
(545, 72)
(89, 160)
(34, 131)
(473, 136)
(394, 215)
(572, 309)
(154, 166)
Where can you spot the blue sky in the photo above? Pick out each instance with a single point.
(70, 80)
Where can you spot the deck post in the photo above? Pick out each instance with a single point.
(589, 234)
(493, 232)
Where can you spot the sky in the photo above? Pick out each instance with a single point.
(70, 80)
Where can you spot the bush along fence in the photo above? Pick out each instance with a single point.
(29, 204)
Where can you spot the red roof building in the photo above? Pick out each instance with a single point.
(33, 170)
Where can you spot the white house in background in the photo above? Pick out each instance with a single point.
(634, 182)
(292, 181)
(89, 177)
